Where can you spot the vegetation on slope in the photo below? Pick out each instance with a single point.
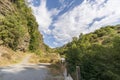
(19, 31)
(97, 54)
(18, 27)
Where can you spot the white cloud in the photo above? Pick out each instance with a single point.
(43, 16)
(77, 21)
(54, 12)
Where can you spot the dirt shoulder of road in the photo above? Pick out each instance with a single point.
(55, 71)
(11, 58)
(8, 56)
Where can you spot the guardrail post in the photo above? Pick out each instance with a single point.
(78, 75)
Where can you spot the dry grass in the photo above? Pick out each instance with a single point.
(8, 56)
(56, 69)
(34, 59)
(45, 58)
(56, 72)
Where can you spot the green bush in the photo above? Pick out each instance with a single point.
(97, 61)
(16, 23)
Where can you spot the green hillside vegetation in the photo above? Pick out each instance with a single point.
(18, 27)
(19, 34)
(97, 54)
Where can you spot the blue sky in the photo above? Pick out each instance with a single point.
(60, 20)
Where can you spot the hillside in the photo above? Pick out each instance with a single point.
(18, 27)
(97, 54)
(19, 33)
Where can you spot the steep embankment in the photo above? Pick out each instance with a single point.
(18, 27)
(18, 32)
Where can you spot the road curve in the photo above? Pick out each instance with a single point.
(25, 72)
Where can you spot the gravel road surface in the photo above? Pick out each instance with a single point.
(24, 72)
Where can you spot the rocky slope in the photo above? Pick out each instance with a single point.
(18, 27)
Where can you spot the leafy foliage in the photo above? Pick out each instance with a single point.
(17, 21)
(97, 54)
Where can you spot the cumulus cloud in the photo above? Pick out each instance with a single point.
(43, 16)
(78, 20)
(84, 18)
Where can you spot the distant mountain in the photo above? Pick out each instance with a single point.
(18, 27)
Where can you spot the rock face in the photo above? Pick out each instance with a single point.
(18, 27)
(5, 8)
(24, 45)
(10, 34)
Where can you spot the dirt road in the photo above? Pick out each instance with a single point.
(25, 71)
